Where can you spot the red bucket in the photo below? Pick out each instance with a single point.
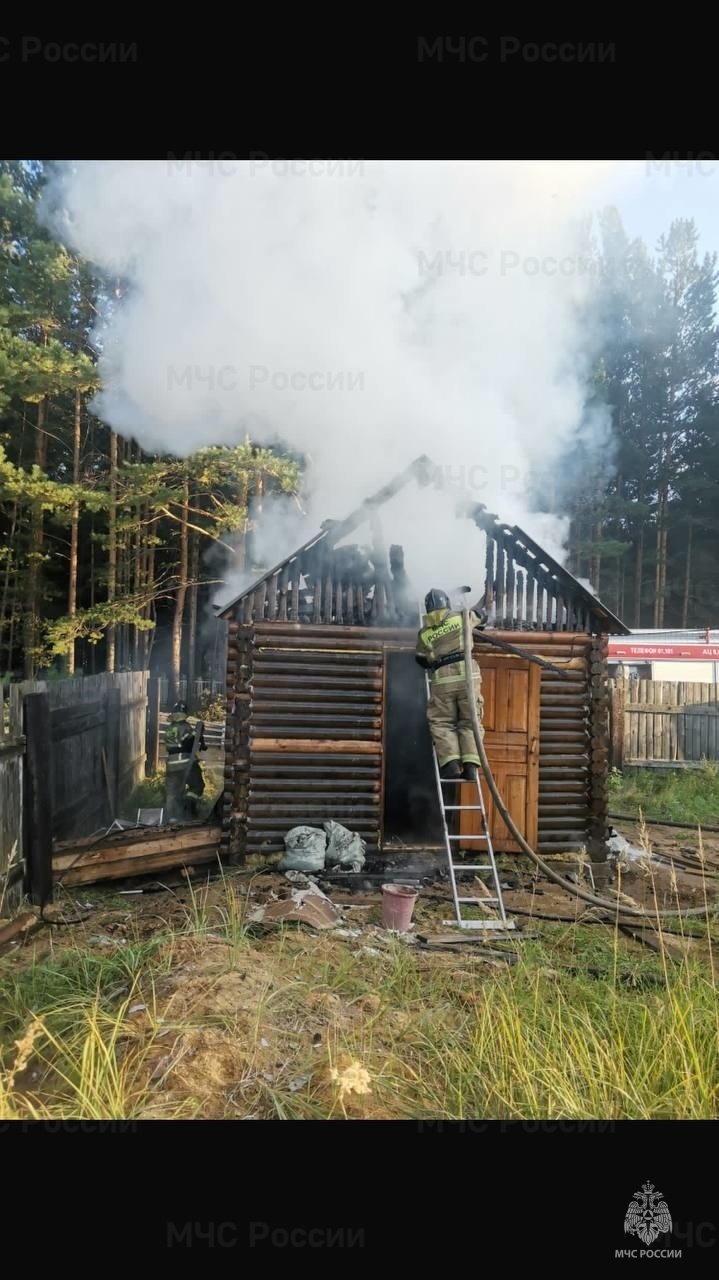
(397, 906)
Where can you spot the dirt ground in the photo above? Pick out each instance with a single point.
(140, 908)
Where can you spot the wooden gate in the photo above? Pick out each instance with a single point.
(510, 688)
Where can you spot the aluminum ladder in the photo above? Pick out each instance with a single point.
(485, 839)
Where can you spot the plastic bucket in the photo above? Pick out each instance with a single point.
(397, 906)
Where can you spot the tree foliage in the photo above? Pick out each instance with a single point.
(93, 527)
(644, 496)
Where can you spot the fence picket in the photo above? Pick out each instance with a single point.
(670, 721)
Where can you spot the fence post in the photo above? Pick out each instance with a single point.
(153, 725)
(15, 711)
(112, 745)
(617, 724)
(37, 797)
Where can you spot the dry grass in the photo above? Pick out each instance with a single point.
(206, 1020)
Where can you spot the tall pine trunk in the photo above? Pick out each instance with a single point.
(192, 633)
(112, 550)
(241, 558)
(149, 635)
(250, 541)
(124, 573)
(145, 581)
(595, 561)
(92, 647)
(74, 529)
(663, 576)
(657, 566)
(7, 615)
(660, 573)
(34, 576)
(619, 562)
(687, 575)
(180, 594)
(639, 565)
(137, 586)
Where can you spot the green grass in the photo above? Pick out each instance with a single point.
(679, 795)
(57, 989)
(150, 793)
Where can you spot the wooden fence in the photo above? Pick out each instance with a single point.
(70, 772)
(663, 722)
(12, 751)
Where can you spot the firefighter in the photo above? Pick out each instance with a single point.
(179, 740)
(440, 649)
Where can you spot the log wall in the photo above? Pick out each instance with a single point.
(304, 731)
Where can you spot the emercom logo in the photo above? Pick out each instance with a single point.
(647, 1218)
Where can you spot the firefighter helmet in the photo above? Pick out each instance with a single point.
(436, 599)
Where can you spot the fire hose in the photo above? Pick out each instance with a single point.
(568, 885)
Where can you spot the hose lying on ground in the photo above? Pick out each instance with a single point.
(661, 822)
(605, 903)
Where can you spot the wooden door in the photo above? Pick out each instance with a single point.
(510, 687)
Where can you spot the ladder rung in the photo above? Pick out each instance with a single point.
(480, 924)
(497, 920)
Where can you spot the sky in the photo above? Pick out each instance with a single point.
(651, 193)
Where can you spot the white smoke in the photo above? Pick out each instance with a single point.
(364, 312)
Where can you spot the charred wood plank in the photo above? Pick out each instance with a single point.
(327, 594)
(489, 573)
(499, 578)
(282, 597)
(260, 601)
(294, 602)
(272, 598)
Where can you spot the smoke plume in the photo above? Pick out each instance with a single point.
(364, 312)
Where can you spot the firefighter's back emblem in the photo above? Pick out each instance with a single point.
(648, 1215)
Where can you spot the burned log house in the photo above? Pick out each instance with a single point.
(326, 705)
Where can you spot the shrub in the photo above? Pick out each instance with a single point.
(211, 706)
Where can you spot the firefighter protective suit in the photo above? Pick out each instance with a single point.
(179, 739)
(440, 649)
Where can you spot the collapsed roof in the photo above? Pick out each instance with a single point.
(321, 582)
